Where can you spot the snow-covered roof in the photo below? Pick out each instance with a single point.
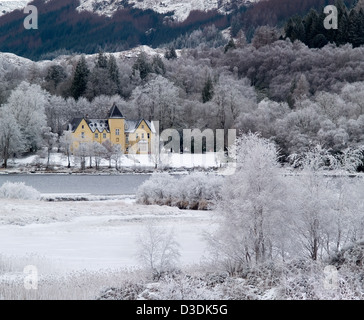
(103, 124)
(98, 124)
(151, 126)
(132, 125)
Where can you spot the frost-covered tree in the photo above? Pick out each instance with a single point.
(57, 113)
(50, 141)
(158, 250)
(158, 100)
(66, 143)
(11, 139)
(251, 207)
(264, 35)
(99, 152)
(81, 153)
(328, 211)
(27, 104)
(313, 198)
(232, 98)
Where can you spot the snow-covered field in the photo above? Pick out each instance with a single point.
(94, 237)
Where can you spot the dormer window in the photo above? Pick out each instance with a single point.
(117, 132)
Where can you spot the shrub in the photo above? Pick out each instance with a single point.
(18, 190)
(196, 191)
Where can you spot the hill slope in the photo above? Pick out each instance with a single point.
(181, 8)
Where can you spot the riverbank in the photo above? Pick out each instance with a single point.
(143, 164)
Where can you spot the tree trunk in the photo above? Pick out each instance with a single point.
(6, 156)
(49, 155)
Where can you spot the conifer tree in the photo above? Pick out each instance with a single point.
(101, 62)
(343, 21)
(230, 46)
(208, 90)
(158, 65)
(142, 65)
(295, 29)
(80, 78)
(114, 71)
(312, 26)
(171, 53)
(360, 27)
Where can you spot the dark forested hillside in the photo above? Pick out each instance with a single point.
(62, 27)
(276, 13)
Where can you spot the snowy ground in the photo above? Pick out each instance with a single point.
(93, 235)
(59, 161)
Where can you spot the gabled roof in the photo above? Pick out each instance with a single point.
(150, 124)
(131, 126)
(98, 124)
(94, 124)
(75, 123)
(115, 113)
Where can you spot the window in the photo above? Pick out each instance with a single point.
(142, 135)
(148, 134)
(137, 135)
(96, 135)
(82, 135)
(143, 126)
(83, 127)
(117, 132)
(127, 138)
(104, 135)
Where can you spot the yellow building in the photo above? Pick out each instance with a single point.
(132, 136)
